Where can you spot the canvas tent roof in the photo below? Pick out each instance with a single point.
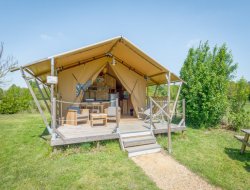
(120, 48)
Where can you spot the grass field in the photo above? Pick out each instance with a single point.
(214, 155)
(28, 162)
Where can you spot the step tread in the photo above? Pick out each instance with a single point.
(134, 134)
(138, 138)
(130, 132)
(142, 148)
(149, 151)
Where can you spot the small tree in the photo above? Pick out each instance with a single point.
(207, 74)
(5, 64)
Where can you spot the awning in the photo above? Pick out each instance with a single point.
(120, 48)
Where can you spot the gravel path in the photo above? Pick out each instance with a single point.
(169, 174)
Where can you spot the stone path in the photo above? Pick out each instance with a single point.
(167, 173)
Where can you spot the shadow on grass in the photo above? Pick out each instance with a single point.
(235, 154)
(86, 146)
(45, 135)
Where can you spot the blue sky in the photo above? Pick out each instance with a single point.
(165, 30)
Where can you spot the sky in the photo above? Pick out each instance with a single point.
(165, 30)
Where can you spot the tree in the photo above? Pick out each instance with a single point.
(6, 64)
(207, 74)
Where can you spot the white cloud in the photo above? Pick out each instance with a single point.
(192, 43)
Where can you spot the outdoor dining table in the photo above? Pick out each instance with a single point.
(244, 139)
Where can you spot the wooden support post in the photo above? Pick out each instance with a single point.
(151, 114)
(156, 88)
(46, 92)
(53, 103)
(147, 101)
(36, 101)
(45, 101)
(176, 100)
(169, 119)
(184, 112)
(54, 116)
(117, 113)
(244, 143)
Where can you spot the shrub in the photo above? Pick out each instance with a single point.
(238, 96)
(15, 99)
(238, 120)
(207, 74)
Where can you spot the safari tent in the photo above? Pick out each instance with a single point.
(100, 92)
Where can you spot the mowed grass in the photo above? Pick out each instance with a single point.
(28, 162)
(214, 155)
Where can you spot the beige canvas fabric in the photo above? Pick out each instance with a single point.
(133, 83)
(83, 73)
(120, 47)
(132, 67)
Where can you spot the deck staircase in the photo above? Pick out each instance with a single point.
(139, 143)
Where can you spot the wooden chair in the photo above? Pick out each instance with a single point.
(75, 116)
(111, 113)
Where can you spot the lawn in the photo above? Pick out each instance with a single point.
(214, 155)
(28, 162)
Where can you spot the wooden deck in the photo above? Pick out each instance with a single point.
(86, 133)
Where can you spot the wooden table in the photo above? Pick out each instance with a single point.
(97, 117)
(244, 139)
(93, 106)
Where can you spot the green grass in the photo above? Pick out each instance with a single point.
(28, 162)
(214, 155)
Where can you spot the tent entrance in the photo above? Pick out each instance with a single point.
(105, 89)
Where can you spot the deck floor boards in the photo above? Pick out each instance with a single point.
(86, 133)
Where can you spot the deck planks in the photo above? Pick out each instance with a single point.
(86, 133)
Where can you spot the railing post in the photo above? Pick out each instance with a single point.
(53, 121)
(169, 119)
(184, 112)
(117, 113)
(151, 113)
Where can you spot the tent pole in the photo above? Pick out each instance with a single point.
(53, 122)
(147, 100)
(151, 115)
(45, 90)
(40, 90)
(35, 100)
(156, 90)
(169, 119)
(117, 113)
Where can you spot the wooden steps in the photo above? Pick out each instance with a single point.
(139, 143)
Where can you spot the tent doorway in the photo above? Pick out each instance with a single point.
(105, 89)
